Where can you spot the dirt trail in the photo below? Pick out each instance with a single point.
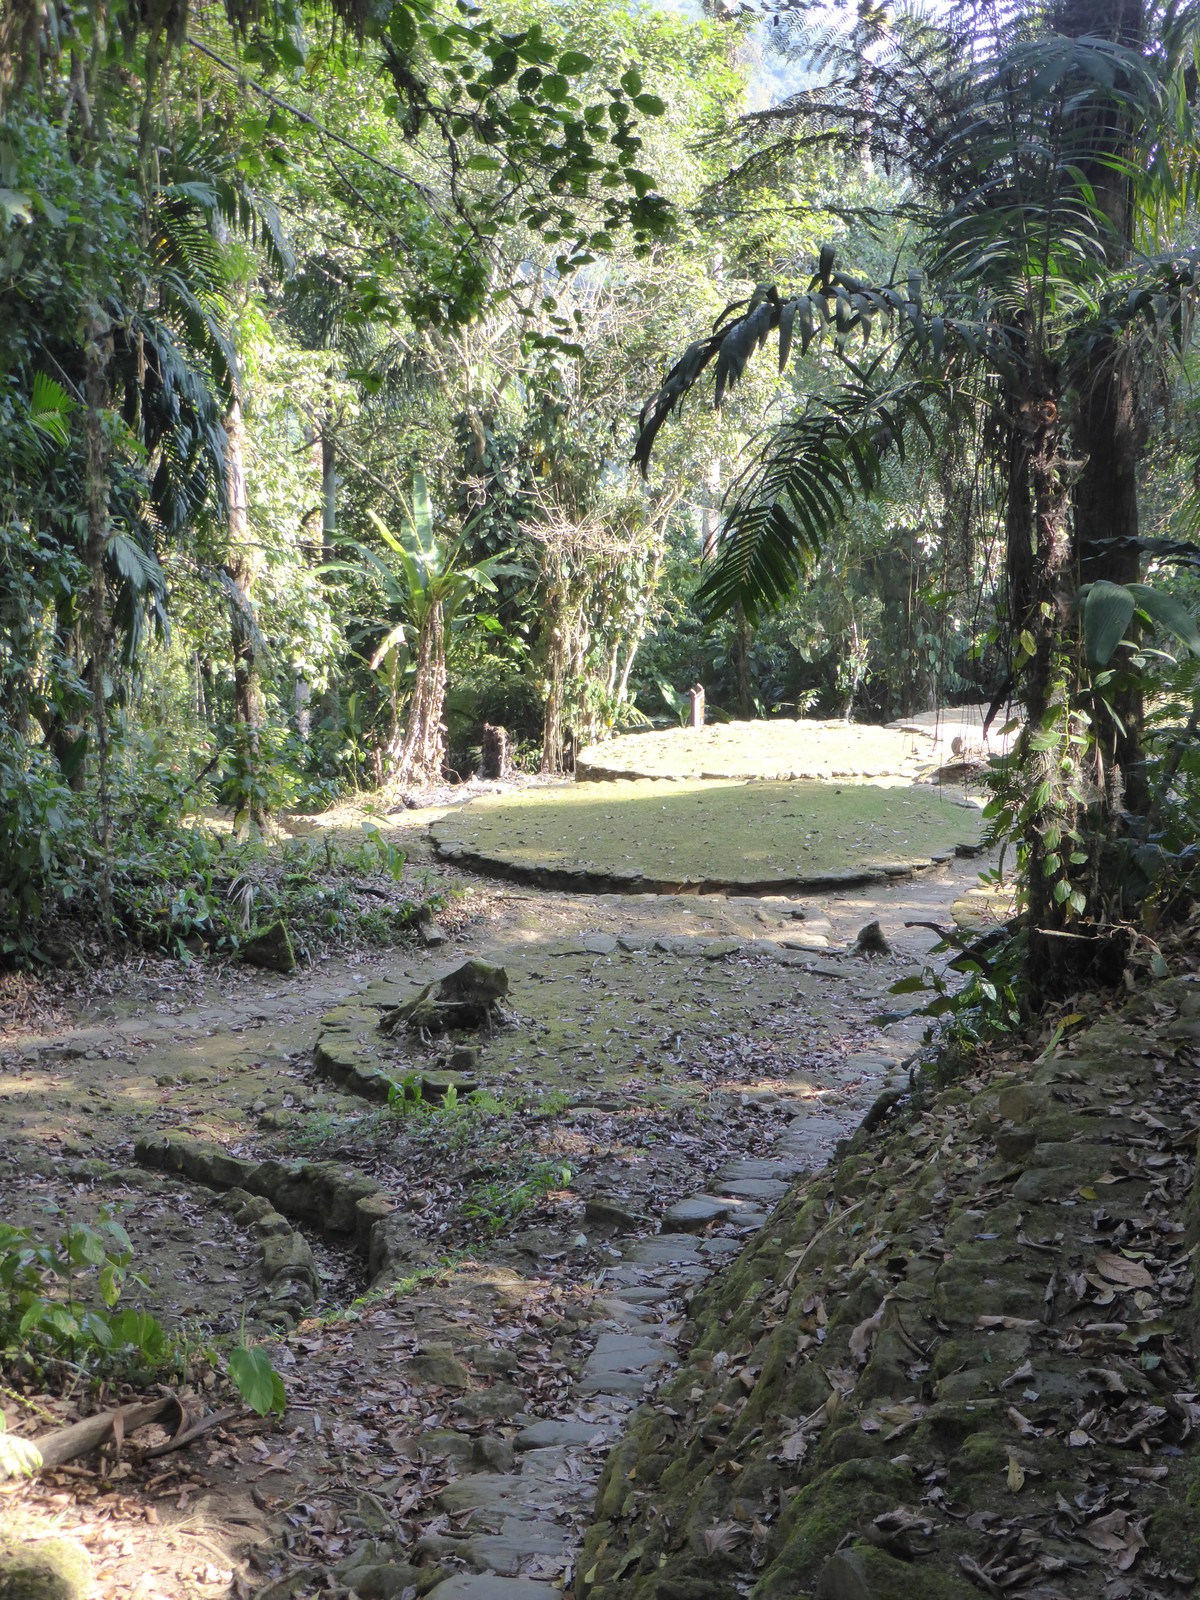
(667, 1053)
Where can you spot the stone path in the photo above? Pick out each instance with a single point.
(236, 1071)
(517, 1531)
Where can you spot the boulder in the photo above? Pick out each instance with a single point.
(271, 947)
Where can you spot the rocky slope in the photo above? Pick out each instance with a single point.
(957, 1362)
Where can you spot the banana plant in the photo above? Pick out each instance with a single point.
(427, 586)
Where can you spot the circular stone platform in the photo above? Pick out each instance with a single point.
(707, 838)
(768, 751)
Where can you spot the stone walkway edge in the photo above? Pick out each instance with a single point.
(520, 1529)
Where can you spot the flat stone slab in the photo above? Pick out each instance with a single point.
(545, 1435)
(719, 1246)
(644, 1294)
(697, 1212)
(613, 1349)
(736, 1171)
(490, 1586)
(488, 1491)
(658, 1251)
(748, 1221)
(507, 1553)
(612, 1383)
(768, 1190)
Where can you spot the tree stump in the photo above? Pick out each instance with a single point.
(696, 700)
(495, 758)
(469, 997)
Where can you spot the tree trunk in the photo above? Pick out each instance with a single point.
(743, 686)
(330, 705)
(553, 743)
(241, 570)
(1041, 610)
(1108, 433)
(1106, 530)
(422, 752)
(97, 354)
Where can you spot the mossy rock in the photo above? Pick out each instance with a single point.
(271, 947)
(865, 1572)
(50, 1569)
(702, 837)
(844, 1498)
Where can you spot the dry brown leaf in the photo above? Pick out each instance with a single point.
(863, 1337)
(1120, 1270)
(1015, 1476)
(723, 1537)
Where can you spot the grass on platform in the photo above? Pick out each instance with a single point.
(728, 832)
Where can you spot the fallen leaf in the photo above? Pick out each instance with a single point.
(1015, 1477)
(1120, 1270)
(723, 1537)
(863, 1337)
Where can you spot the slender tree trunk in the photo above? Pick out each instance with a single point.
(330, 709)
(97, 354)
(1041, 602)
(241, 570)
(743, 685)
(1109, 435)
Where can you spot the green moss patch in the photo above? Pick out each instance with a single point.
(782, 750)
(707, 837)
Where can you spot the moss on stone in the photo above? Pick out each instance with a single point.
(844, 1498)
(866, 1572)
(48, 1569)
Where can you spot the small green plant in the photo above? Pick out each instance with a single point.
(377, 854)
(253, 1375)
(405, 1094)
(49, 1294)
(500, 1201)
(986, 1003)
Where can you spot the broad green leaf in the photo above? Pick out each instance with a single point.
(256, 1380)
(1167, 613)
(1107, 613)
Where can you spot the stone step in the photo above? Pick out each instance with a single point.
(767, 1190)
(643, 1358)
(507, 1554)
(658, 1250)
(780, 1167)
(616, 1385)
(490, 1586)
(697, 1212)
(549, 1433)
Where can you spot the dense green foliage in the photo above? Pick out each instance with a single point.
(323, 331)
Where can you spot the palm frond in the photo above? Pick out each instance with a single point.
(813, 467)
